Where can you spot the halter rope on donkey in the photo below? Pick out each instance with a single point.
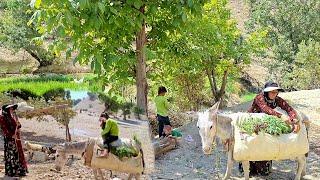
(211, 124)
(134, 166)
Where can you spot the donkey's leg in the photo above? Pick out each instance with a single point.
(130, 176)
(304, 169)
(137, 176)
(301, 164)
(95, 173)
(100, 173)
(246, 166)
(229, 164)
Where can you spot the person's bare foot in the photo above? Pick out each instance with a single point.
(104, 154)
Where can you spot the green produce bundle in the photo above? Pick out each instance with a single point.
(268, 124)
(124, 151)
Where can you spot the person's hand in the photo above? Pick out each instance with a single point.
(294, 121)
(296, 128)
(285, 118)
(18, 124)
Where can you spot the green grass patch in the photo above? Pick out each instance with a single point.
(40, 88)
(17, 79)
(39, 85)
(247, 97)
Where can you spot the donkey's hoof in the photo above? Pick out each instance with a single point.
(226, 177)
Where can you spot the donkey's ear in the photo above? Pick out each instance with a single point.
(214, 108)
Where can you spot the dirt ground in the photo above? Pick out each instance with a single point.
(186, 162)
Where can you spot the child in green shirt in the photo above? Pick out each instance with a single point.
(162, 105)
(109, 133)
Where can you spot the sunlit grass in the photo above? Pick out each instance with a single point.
(39, 85)
(247, 97)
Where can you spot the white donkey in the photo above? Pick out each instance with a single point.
(212, 124)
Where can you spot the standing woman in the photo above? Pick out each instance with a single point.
(15, 163)
(266, 102)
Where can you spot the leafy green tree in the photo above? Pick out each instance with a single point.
(106, 32)
(289, 23)
(306, 67)
(211, 45)
(16, 34)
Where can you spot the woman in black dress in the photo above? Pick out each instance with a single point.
(15, 163)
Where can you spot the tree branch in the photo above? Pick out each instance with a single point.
(211, 83)
(224, 84)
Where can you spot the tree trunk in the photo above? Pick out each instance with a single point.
(68, 135)
(42, 63)
(213, 90)
(141, 77)
(164, 145)
(217, 94)
(223, 85)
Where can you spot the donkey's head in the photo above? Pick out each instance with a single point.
(60, 159)
(207, 125)
(70, 148)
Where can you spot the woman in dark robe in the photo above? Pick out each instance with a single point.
(266, 102)
(15, 163)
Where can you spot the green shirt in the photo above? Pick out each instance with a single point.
(162, 105)
(176, 133)
(112, 127)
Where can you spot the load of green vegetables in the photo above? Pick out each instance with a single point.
(268, 124)
(127, 151)
(124, 151)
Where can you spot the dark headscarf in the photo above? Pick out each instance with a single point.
(9, 123)
(271, 102)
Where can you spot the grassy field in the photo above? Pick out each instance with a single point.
(39, 85)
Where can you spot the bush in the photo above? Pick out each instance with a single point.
(137, 112)
(110, 103)
(126, 109)
(306, 67)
